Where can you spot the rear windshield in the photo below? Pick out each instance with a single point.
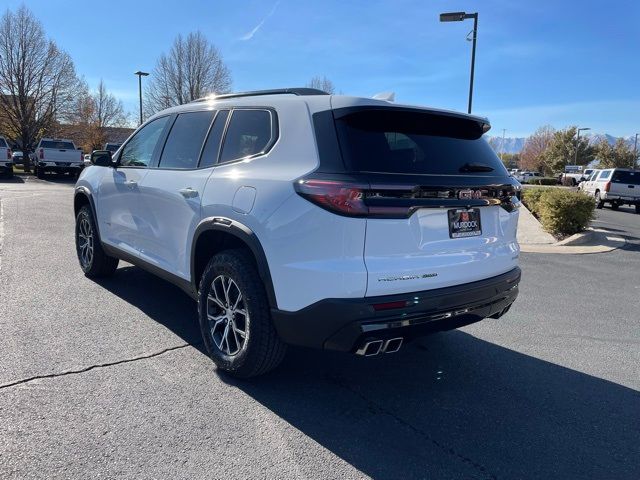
(390, 141)
(57, 145)
(631, 178)
(2, 142)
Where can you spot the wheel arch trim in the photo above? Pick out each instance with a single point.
(245, 235)
(85, 192)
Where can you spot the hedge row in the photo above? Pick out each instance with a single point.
(543, 181)
(561, 212)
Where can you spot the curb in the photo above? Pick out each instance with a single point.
(591, 241)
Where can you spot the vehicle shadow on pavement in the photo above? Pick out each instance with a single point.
(454, 406)
(446, 406)
(159, 300)
(12, 179)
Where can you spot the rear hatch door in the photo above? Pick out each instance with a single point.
(442, 207)
(625, 183)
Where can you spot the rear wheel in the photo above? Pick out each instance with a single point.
(39, 173)
(599, 202)
(93, 260)
(615, 206)
(234, 317)
(637, 207)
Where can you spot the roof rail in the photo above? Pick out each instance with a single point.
(276, 91)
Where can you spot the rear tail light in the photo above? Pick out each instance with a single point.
(81, 156)
(607, 186)
(41, 154)
(8, 154)
(343, 198)
(389, 305)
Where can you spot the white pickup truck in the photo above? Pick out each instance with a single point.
(60, 156)
(6, 161)
(615, 186)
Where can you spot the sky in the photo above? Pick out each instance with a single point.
(562, 62)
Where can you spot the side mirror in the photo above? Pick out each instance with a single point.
(101, 158)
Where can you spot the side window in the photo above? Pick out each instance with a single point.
(249, 133)
(138, 151)
(185, 140)
(605, 174)
(212, 147)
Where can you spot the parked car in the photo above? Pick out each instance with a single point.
(112, 147)
(615, 186)
(17, 157)
(87, 160)
(574, 174)
(296, 217)
(525, 176)
(6, 159)
(59, 156)
(590, 175)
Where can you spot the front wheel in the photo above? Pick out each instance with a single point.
(599, 202)
(93, 260)
(234, 317)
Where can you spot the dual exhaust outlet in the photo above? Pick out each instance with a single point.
(374, 347)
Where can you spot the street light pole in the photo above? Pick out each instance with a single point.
(459, 17)
(575, 162)
(140, 74)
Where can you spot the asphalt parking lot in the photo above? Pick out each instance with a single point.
(110, 380)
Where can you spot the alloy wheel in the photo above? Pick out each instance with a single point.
(85, 242)
(227, 315)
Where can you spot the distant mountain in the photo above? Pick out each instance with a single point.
(516, 144)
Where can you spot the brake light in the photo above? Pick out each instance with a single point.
(340, 197)
(9, 154)
(41, 154)
(607, 186)
(389, 305)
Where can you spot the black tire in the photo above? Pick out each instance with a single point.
(9, 172)
(260, 350)
(39, 173)
(599, 203)
(98, 264)
(615, 206)
(637, 207)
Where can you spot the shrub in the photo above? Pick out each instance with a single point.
(543, 181)
(564, 212)
(531, 197)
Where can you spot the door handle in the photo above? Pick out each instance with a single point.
(131, 183)
(188, 192)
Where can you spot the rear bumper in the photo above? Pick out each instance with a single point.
(621, 198)
(343, 324)
(72, 168)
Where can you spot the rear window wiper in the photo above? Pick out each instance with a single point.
(476, 167)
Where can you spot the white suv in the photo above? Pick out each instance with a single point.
(297, 217)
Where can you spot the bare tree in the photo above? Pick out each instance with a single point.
(192, 69)
(322, 83)
(93, 113)
(37, 79)
(532, 155)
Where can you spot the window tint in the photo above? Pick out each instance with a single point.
(57, 145)
(185, 140)
(139, 150)
(212, 147)
(630, 178)
(605, 174)
(2, 142)
(249, 133)
(415, 143)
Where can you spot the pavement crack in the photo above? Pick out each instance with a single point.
(92, 367)
(444, 448)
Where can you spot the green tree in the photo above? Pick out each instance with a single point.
(561, 151)
(611, 156)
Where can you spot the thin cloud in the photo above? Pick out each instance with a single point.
(249, 35)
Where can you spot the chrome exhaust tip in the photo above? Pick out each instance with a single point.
(392, 345)
(370, 348)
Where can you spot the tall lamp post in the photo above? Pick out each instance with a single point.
(140, 74)
(459, 17)
(578, 143)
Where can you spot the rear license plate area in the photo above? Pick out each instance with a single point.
(464, 222)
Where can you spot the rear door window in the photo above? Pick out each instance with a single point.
(630, 178)
(250, 132)
(212, 147)
(182, 149)
(408, 142)
(604, 175)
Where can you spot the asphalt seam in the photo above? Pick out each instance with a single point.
(448, 450)
(92, 367)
